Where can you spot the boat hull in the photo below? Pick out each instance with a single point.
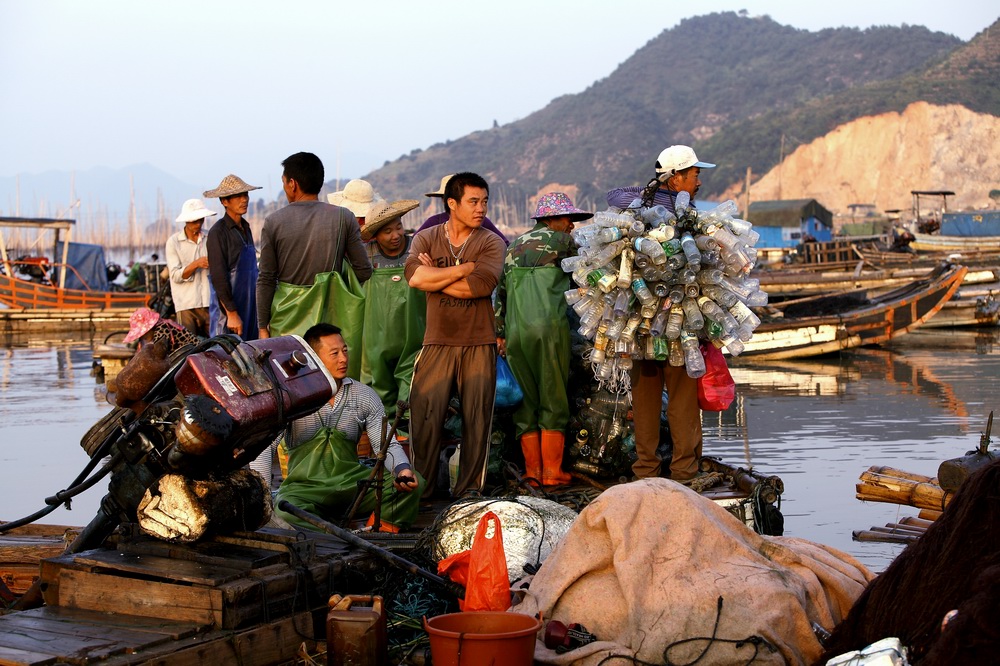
(883, 318)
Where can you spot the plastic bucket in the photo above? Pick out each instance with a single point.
(482, 638)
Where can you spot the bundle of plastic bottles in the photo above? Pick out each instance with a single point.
(652, 284)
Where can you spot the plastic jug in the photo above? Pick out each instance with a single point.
(356, 631)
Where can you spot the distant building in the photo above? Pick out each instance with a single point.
(788, 223)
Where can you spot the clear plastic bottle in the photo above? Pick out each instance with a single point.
(693, 319)
(723, 297)
(585, 303)
(600, 344)
(694, 362)
(592, 317)
(659, 289)
(692, 290)
(637, 229)
(676, 294)
(711, 258)
(663, 233)
(654, 216)
(570, 264)
(649, 274)
(714, 311)
(642, 291)
(609, 218)
(687, 276)
(608, 235)
(622, 302)
(573, 296)
(691, 252)
(650, 248)
(676, 262)
(628, 333)
(675, 320)
(706, 243)
(640, 260)
(659, 324)
(615, 328)
(744, 315)
(733, 346)
(710, 276)
(681, 203)
(648, 310)
(675, 354)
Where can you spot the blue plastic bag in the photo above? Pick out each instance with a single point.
(509, 393)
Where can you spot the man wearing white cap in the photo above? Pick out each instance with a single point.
(677, 170)
(187, 261)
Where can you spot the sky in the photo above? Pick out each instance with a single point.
(202, 89)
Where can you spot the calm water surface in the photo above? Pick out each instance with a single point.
(817, 424)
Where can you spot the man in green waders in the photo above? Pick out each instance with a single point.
(323, 465)
(533, 333)
(395, 313)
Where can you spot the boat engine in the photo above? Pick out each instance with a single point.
(219, 405)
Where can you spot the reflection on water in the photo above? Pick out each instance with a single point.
(816, 423)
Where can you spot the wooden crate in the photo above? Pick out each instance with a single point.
(227, 585)
(23, 548)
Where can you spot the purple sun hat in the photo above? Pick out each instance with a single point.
(557, 204)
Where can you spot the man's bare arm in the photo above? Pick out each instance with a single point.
(430, 278)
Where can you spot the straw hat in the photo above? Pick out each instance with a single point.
(357, 197)
(194, 210)
(382, 213)
(140, 323)
(557, 204)
(440, 190)
(229, 186)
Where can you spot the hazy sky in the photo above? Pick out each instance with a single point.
(201, 89)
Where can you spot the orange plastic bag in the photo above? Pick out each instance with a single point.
(482, 570)
(716, 388)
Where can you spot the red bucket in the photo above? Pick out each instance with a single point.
(482, 637)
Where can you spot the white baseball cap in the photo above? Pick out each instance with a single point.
(677, 158)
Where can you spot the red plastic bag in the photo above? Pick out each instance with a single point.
(716, 388)
(482, 570)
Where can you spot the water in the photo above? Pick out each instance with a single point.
(817, 424)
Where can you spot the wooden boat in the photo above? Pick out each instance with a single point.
(833, 323)
(50, 291)
(963, 231)
(976, 307)
(796, 283)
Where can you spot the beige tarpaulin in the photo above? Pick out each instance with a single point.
(644, 565)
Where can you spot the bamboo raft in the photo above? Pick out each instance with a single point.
(895, 486)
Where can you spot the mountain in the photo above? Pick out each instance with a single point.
(102, 192)
(728, 84)
(880, 158)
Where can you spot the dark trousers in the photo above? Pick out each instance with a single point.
(194, 320)
(438, 370)
(649, 379)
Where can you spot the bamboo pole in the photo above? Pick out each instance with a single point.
(901, 474)
(929, 514)
(878, 488)
(916, 522)
(869, 535)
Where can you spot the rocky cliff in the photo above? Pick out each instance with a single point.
(880, 159)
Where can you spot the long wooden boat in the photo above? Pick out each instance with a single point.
(843, 321)
(968, 308)
(21, 293)
(793, 283)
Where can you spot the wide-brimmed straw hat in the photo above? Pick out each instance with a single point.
(194, 210)
(140, 323)
(229, 186)
(357, 196)
(557, 204)
(384, 212)
(440, 190)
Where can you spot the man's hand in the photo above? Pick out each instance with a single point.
(425, 259)
(263, 333)
(405, 481)
(234, 323)
(201, 262)
(502, 346)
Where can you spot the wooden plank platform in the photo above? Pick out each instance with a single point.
(16, 320)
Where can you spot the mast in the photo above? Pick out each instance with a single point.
(133, 224)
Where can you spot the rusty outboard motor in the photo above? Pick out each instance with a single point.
(218, 406)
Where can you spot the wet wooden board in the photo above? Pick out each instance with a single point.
(186, 571)
(37, 638)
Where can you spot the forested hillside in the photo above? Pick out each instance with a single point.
(727, 84)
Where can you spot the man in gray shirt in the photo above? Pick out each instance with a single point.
(306, 238)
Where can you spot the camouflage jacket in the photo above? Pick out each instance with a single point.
(540, 246)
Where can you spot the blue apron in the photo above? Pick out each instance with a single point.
(243, 281)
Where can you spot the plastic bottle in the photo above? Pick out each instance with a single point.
(608, 235)
(662, 234)
(659, 289)
(681, 203)
(691, 252)
(607, 282)
(642, 291)
(600, 345)
(714, 311)
(575, 295)
(691, 290)
(675, 320)
(711, 258)
(693, 319)
(694, 362)
(671, 246)
(710, 276)
(608, 218)
(675, 354)
(592, 317)
(723, 297)
(654, 216)
(637, 229)
(584, 303)
(648, 310)
(622, 299)
(733, 346)
(615, 328)
(661, 348)
(640, 260)
(744, 315)
(706, 243)
(628, 333)
(625, 269)
(609, 252)
(649, 274)
(714, 329)
(676, 294)
(676, 262)
(650, 248)
(659, 324)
